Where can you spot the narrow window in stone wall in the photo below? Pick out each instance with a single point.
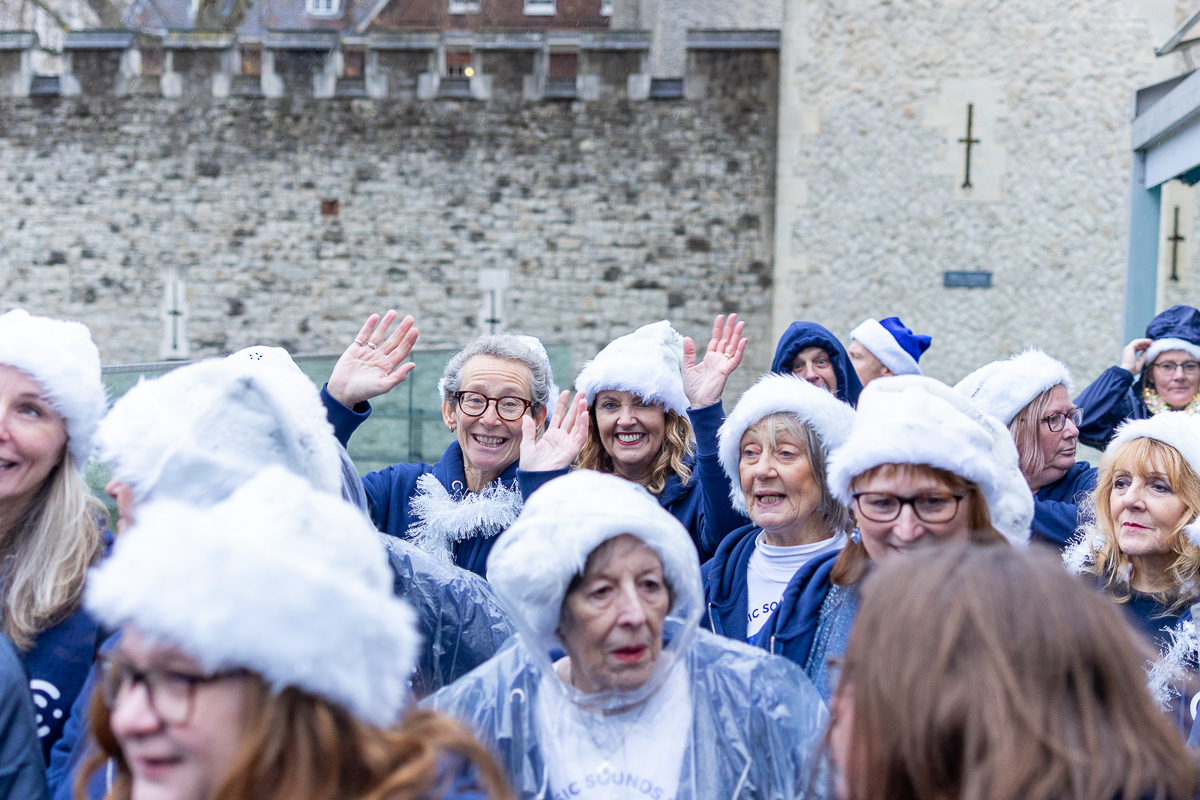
(152, 61)
(323, 8)
(458, 64)
(564, 66)
(252, 61)
(464, 6)
(541, 8)
(352, 63)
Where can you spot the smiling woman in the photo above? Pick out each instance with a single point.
(51, 399)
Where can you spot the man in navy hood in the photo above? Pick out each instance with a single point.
(802, 335)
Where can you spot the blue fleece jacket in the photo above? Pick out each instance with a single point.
(22, 766)
(800, 335)
(1116, 395)
(391, 489)
(702, 505)
(1056, 513)
(725, 592)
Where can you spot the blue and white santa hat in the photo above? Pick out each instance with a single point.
(647, 362)
(287, 582)
(913, 419)
(1004, 388)
(828, 417)
(61, 356)
(1177, 328)
(896, 347)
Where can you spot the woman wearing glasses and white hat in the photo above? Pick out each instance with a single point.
(1031, 394)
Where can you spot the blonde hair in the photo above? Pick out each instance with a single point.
(986, 673)
(677, 446)
(296, 746)
(853, 562)
(1145, 458)
(46, 555)
(1025, 427)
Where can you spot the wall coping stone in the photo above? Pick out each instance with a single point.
(99, 40)
(18, 40)
(732, 40)
(197, 40)
(301, 40)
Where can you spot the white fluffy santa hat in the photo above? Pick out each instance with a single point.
(1004, 388)
(818, 409)
(278, 579)
(62, 358)
(913, 419)
(647, 362)
(1174, 429)
(199, 431)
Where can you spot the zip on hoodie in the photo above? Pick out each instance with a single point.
(712, 626)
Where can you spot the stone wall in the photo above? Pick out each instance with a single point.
(287, 221)
(871, 207)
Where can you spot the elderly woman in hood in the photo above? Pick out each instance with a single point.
(643, 703)
(810, 352)
(493, 391)
(1031, 394)
(1158, 373)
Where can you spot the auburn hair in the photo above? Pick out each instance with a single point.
(677, 446)
(1145, 458)
(988, 673)
(853, 563)
(299, 747)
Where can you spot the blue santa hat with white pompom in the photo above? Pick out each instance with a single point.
(893, 343)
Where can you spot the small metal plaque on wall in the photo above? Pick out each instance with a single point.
(967, 280)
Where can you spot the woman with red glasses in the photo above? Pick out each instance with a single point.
(1031, 394)
(922, 467)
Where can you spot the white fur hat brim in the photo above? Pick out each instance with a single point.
(1003, 388)
(647, 362)
(1174, 429)
(201, 430)
(61, 356)
(277, 579)
(532, 564)
(828, 417)
(1160, 346)
(912, 419)
(876, 338)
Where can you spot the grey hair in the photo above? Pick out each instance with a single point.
(836, 515)
(509, 347)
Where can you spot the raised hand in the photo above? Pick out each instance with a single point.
(565, 435)
(704, 381)
(1134, 354)
(371, 365)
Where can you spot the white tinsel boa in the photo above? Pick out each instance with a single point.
(441, 520)
(1176, 665)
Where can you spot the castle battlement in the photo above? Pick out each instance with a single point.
(407, 64)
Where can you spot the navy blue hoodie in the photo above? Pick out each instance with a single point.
(1116, 395)
(725, 593)
(800, 335)
(1056, 506)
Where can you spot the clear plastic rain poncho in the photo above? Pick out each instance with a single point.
(199, 432)
(715, 719)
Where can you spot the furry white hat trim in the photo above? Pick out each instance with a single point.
(647, 362)
(61, 356)
(1160, 346)
(201, 430)
(1174, 429)
(533, 563)
(829, 417)
(289, 583)
(1004, 388)
(876, 338)
(913, 419)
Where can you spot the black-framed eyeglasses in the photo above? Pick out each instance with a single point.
(509, 408)
(933, 507)
(1056, 422)
(172, 695)
(1169, 367)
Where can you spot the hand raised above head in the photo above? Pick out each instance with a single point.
(1133, 355)
(704, 381)
(565, 435)
(371, 365)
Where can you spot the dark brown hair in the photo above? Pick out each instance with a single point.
(988, 673)
(853, 562)
(299, 747)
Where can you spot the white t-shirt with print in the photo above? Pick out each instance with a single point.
(771, 569)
